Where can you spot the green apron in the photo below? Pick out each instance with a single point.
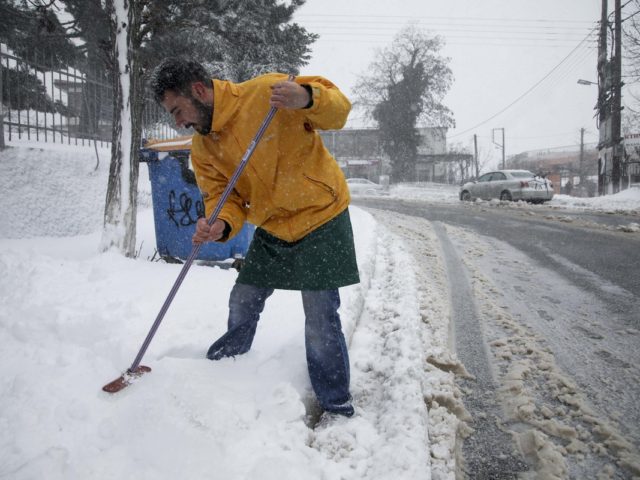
(325, 259)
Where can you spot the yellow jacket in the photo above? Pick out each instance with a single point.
(291, 184)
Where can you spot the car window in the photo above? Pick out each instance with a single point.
(485, 177)
(498, 176)
(522, 174)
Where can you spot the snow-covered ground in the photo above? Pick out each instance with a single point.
(72, 319)
(625, 201)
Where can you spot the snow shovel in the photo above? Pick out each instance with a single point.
(136, 370)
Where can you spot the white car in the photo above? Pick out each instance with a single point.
(362, 186)
(508, 185)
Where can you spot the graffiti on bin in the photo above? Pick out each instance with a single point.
(180, 211)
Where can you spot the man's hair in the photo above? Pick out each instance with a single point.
(177, 75)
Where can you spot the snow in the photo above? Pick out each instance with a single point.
(73, 318)
(625, 201)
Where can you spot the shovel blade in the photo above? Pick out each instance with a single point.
(125, 379)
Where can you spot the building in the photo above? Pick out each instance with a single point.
(435, 164)
(357, 150)
(562, 167)
(631, 160)
(359, 153)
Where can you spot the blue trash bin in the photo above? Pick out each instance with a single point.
(177, 205)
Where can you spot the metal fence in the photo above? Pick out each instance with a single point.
(63, 105)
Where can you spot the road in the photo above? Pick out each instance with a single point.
(545, 316)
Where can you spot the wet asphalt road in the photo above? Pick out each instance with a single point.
(584, 239)
(591, 255)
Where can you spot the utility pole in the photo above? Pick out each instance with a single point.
(475, 154)
(581, 167)
(498, 144)
(504, 165)
(616, 107)
(1, 109)
(610, 104)
(603, 113)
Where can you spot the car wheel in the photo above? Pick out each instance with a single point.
(465, 196)
(506, 195)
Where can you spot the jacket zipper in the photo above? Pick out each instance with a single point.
(323, 185)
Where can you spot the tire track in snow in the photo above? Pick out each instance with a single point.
(545, 411)
(489, 452)
(402, 372)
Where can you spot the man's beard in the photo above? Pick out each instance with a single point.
(205, 117)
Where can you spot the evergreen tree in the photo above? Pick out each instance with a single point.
(236, 39)
(35, 34)
(28, 27)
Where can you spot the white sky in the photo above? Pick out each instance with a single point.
(498, 49)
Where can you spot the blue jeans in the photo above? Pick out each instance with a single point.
(327, 357)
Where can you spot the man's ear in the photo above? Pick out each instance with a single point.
(199, 91)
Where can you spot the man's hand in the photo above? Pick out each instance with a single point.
(205, 233)
(289, 95)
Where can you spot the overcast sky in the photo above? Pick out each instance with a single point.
(519, 57)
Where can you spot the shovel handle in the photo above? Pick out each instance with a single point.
(196, 248)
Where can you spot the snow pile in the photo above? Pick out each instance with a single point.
(72, 319)
(56, 192)
(50, 194)
(625, 201)
(435, 192)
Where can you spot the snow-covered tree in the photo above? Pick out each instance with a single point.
(404, 86)
(236, 39)
(121, 204)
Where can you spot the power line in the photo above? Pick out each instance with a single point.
(560, 74)
(573, 145)
(365, 34)
(455, 40)
(468, 43)
(530, 89)
(478, 35)
(533, 137)
(377, 25)
(413, 18)
(357, 29)
(448, 25)
(380, 29)
(567, 70)
(335, 28)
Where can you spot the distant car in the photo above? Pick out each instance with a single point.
(362, 186)
(508, 185)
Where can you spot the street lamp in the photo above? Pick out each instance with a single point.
(586, 82)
